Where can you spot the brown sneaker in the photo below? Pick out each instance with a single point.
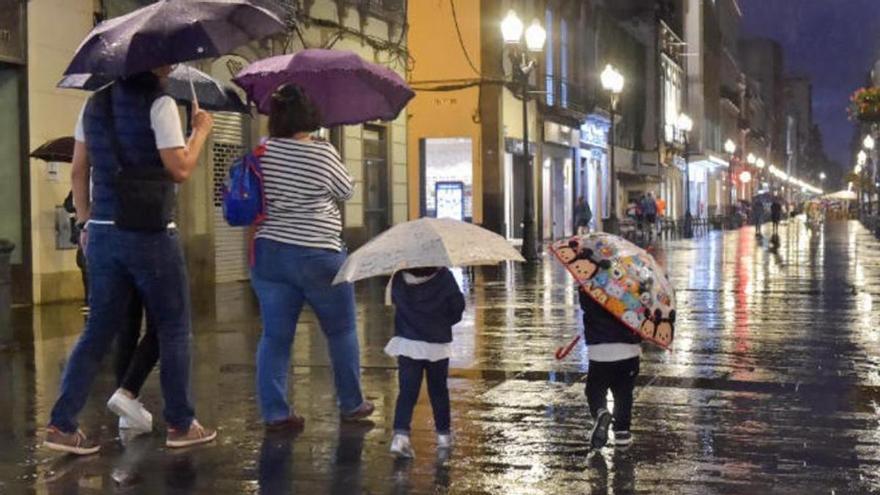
(294, 422)
(196, 435)
(362, 412)
(72, 443)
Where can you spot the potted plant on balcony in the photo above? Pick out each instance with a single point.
(865, 104)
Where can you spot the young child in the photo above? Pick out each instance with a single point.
(614, 352)
(427, 304)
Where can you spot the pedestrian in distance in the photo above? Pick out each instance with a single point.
(131, 147)
(661, 213)
(298, 250)
(776, 215)
(427, 303)
(649, 209)
(614, 353)
(583, 216)
(758, 216)
(70, 208)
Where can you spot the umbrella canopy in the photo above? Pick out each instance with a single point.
(844, 195)
(346, 89)
(55, 150)
(625, 280)
(183, 80)
(169, 32)
(426, 242)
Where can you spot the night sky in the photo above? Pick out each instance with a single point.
(834, 42)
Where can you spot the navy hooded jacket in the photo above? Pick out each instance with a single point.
(600, 327)
(426, 312)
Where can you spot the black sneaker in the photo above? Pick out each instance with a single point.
(622, 439)
(599, 435)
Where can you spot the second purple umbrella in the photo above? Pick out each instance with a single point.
(346, 89)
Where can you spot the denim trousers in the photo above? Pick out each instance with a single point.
(620, 378)
(410, 373)
(122, 264)
(285, 277)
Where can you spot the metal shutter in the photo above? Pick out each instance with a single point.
(230, 243)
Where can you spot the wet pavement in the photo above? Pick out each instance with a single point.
(773, 386)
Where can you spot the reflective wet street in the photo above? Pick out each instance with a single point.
(773, 386)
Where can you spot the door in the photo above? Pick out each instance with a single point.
(11, 187)
(230, 243)
(514, 194)
(376, 201)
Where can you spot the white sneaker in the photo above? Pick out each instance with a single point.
(444, 441)
(401, 446)
(132, 411)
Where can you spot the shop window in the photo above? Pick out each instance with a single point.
(448, 177)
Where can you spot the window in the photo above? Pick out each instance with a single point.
(449, 163)
(549, 59)
(563, 62)
(672, 98)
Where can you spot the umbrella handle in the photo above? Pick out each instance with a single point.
(192, 87)
(562, 352)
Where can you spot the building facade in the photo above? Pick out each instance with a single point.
(376, 154)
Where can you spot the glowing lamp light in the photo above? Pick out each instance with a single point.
(858, 169)
(745, 177)
(511, 28)
(612, 80)
(730, 146)
(684, 122)
(760, 163)
(868, 143)
(861, 158)
(536, 36)
(751, 159)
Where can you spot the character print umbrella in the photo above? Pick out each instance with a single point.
(625, 280)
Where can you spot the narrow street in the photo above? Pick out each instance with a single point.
(772, 387)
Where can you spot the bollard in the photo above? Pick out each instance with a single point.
(6, 248)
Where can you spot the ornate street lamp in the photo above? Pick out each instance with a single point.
(730, 148)
(612, 81)
(685, 124)
(524, 64)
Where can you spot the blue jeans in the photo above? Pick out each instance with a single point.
(122, 263)
(286, 276)
(409, 376)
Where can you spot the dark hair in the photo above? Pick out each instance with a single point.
(143, 81)
(423, 272)
(290, 112)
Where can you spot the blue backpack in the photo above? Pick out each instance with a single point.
(244, 203)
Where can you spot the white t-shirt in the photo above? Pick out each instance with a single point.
(164, 120)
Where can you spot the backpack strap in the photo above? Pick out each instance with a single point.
(254, 164)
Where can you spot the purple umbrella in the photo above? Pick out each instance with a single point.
(346, 89)
(169, 32)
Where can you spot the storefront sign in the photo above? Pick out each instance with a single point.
(560, 134)
(515, 146)
(12, 48)
(594, 132)
(449, 197)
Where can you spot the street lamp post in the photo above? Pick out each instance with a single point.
(612, 81)
(868, 144)
(685, 124)
(730, 148)
(861, 161)
(523, 64)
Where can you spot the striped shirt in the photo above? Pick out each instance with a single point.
(304, 182)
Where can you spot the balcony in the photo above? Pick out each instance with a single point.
(390, 11)
(567, 98)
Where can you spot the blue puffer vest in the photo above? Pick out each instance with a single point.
(137, 142)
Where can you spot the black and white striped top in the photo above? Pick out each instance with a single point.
(304, 182)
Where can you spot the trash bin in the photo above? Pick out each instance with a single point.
(6, 248)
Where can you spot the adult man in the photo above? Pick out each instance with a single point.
(130, 145)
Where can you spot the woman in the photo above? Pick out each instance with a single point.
(298, 250)
(126, 131)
